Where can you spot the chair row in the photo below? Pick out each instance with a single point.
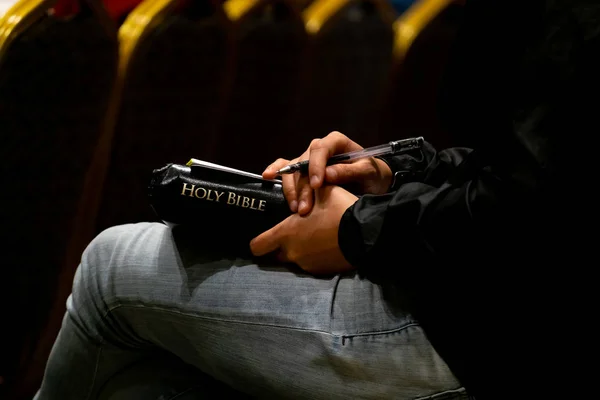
(244, 82)
(94, 96)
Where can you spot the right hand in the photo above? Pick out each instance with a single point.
(371, 175)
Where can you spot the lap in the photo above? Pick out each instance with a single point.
(259, 327)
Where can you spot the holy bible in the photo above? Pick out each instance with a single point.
(219, 203)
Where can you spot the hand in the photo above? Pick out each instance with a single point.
(310, 241)
(370, 174)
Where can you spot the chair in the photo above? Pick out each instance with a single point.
(400, 6)
(424, 35)
(117, 10)
(269, 46)
(346, 70)
(55, 76)
(174, 75)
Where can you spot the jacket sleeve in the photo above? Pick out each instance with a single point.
(423, 215)
(425, 165)
(455, 211)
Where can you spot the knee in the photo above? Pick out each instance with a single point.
(100, 251)
(113, 261)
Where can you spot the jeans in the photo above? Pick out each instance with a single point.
(162, 315)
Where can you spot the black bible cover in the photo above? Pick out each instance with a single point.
(218, 203)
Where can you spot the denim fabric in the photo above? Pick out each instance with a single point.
(161, 315)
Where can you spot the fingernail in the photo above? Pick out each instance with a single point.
(303, 205)
(314, 181)
(294, 206)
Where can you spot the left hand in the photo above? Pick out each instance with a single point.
(311, 240)
(367, 175)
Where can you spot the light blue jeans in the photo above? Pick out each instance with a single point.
(154, 315)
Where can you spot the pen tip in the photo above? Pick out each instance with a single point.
(284, 170)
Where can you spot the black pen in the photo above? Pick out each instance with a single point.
(391, 148)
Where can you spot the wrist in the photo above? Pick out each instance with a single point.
(386, 175)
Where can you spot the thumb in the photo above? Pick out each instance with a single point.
(266, 242)
(339, 174)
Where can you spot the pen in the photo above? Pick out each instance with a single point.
(391, 148)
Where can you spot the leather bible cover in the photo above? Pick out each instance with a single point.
(218, 205)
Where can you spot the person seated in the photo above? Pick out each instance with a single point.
(409, 277)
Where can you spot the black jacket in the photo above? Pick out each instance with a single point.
(476, 238)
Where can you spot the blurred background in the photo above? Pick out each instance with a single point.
(95, 94)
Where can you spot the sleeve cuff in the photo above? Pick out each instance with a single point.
(400, 175)
(350, 238)
(408, 167)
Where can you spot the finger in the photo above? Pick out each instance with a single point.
(303, 189)
(305, 197)
(322, 150)
(290, 191)
(271, 171)
(340, 174)
(267, 241)
(288, 182)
